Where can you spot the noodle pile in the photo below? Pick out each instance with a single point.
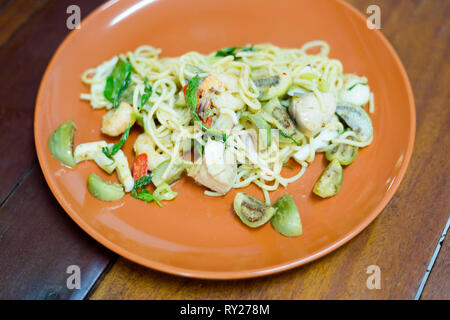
(169, 122)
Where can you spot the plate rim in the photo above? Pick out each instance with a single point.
(229, 275)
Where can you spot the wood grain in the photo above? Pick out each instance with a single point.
(27, 53)
(401, 240)
(38, 241)
(14, 13)
(438, 284)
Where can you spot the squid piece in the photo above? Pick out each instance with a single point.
(218, 168)
(93, 151)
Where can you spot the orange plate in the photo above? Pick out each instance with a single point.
(196, 235)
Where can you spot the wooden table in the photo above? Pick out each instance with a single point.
(38, 241)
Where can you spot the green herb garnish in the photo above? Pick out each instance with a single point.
(143, 194)
(117, 82)
(147, 92)
(142, 182)
(362, 83)
(231, 51)
(289, 137)
(111, 151)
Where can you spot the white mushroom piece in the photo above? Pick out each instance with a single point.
(311, 112)
(218, 168)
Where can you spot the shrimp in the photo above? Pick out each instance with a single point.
(115, 122)
(223, 90)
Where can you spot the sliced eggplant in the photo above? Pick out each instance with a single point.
(282, 120)
(61, 143)
(287, 219)
(173, 175)
(273, 86)
(344, 153)
(329, 182)
(104, 190)
(163, 192)
(357, 119)
(252, 212)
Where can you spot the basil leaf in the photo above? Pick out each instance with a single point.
(141, 182)
(226, 52)
(147, 92)
(248, 49)
(145, 195)
(362, 83)
(231, 51)
(191, 101)
(117, 82)
(110, 151)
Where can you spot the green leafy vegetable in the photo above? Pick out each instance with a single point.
(110, 151)
(191, 101)
(147, 92)
(231, 51)
(144, 194)
(117, 82)
(361, 83)
(142, 182)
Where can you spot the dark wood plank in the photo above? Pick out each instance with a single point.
(27, 54)
(14, 13)
(402, 239)
(438, 284)
(38, 241)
